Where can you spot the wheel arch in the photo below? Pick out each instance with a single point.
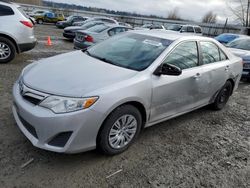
(134, 103)
(12, 40)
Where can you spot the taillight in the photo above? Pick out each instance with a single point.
(27, 23)
(89, 38)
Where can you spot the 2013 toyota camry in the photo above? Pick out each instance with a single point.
(104, 96)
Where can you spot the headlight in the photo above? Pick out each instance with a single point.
(64, 104)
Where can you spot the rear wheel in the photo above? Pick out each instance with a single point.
(119, 130)
(223, 96)
(40, 21)
(7, 50)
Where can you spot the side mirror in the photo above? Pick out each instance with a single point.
(167, 69)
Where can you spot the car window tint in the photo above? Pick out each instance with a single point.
(6, 11)
(184, 56)
(197, 30)
(210, 52)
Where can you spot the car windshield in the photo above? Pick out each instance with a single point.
(98, 28)
(226, 37)
(243, 44)
(130, 50)
(70, 18)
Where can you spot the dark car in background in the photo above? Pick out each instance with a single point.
(226, 38)
(70, 32)
(98, 33)
(70, 21)
(241, 47)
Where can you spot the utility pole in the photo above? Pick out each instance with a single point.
(247, 19)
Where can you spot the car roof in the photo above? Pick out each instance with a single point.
(235, 34)
(170, 35)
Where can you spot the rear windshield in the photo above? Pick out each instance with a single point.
(98, 28)
(130, 50)
(90, 24)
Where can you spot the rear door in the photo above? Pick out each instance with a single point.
(173, 95)
(215, 69)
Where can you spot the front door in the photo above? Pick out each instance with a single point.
(177, 94)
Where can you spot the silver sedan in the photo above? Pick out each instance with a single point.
(104, 96)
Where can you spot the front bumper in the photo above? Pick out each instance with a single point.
(45, 128)
(81, 45)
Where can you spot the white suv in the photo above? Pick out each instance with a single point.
(16, 32)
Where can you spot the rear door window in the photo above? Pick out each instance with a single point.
(210, 52)
(6, 11)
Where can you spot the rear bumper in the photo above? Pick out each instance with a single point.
(81, 45)
(69, 35)
(26, 46)
(246, 73)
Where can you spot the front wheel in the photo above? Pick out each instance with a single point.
(223, 96)
(119, 130)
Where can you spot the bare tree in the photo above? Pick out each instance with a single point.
(209, 17)
(174, 15)
(240, 10)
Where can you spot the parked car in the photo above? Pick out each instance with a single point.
(103, 97)
(69, 21)
(49, 17)
(16, 32)
(70, 32)
(103, 19)
(93, 35)
(241, 47)
(150, 26)
(37, 12)
(187, 29)
(226, 38)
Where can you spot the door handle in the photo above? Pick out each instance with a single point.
(198, 75)
(227, 68)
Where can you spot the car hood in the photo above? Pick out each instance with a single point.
(244, 54)
(73, 74)
(73, 28)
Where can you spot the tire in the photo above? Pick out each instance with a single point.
(223, 96)
(7, 50)
(111, 140)
(40, 21)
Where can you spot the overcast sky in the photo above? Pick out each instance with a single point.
(188, 9)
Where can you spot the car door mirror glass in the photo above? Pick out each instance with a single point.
(168, 69)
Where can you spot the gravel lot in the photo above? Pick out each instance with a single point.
(200, 149)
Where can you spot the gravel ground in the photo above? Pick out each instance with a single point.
(200, 149)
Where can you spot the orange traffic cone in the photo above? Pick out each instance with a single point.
(49, 43)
